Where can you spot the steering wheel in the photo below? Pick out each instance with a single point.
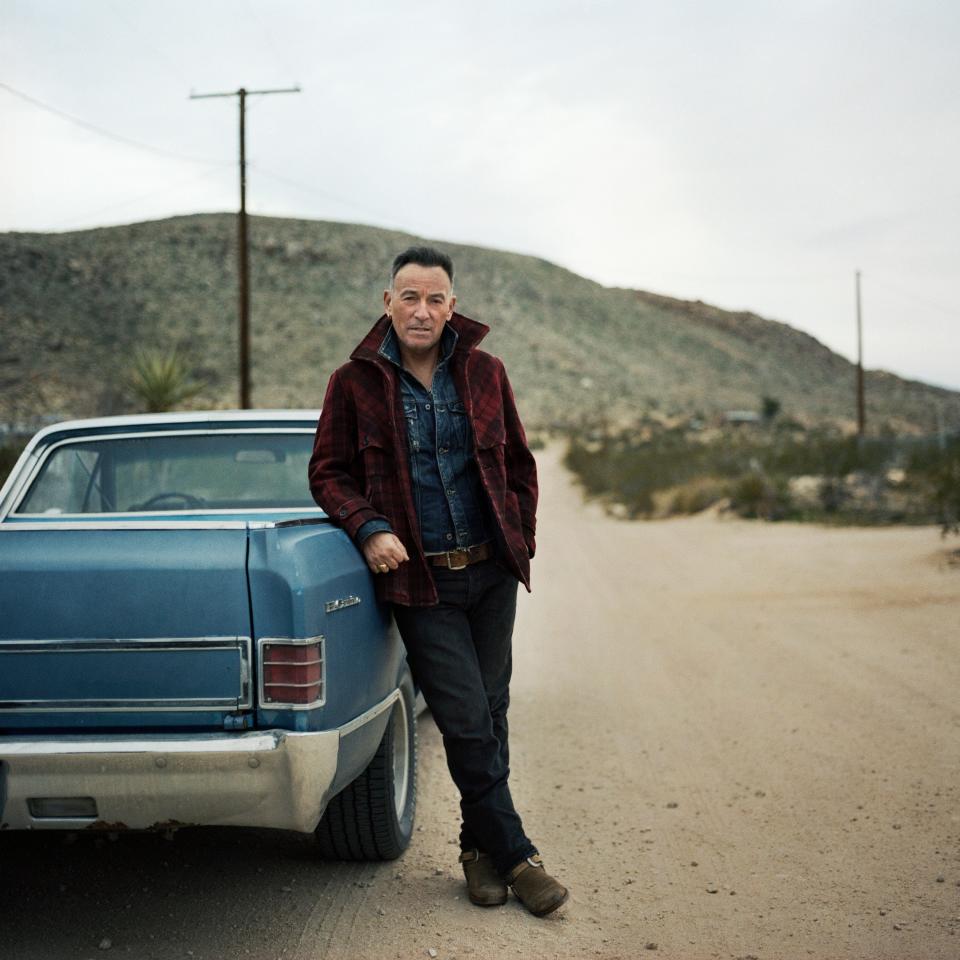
(190, 502)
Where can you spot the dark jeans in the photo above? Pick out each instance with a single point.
(460, 654)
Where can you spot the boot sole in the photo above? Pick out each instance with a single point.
(553, 906)
(488, 903)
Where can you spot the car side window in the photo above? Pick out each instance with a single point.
(169, 472)
(66, 482)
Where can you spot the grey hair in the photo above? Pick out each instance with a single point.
(422, 257)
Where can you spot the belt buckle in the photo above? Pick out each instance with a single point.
(466, 559)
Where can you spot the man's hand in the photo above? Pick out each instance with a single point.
(383, 552)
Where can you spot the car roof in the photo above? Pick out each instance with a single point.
(184, 418)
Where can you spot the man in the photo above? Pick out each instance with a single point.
(421, 457)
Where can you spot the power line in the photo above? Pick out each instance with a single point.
(100, 131)
(814, 277)
(309, 188)
(913, 298)
(135, 30)
(193, 178)
(264, 33)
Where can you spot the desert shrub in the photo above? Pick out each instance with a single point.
(933, 468)
(769, 408)
(756, 495)
(826, 453)
(696, 495)
(832, 494)
(640, 502)
(161, 380)
(884, 479)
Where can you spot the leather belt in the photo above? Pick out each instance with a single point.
(458, 559)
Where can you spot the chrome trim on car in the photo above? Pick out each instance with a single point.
(188, 416)
(332, 606)
(275, 779)
(246, 668)
(242, 645)
(138, 743)
(105, 645)
(295, 642)
(388, 701)
(185, 524)
(271, 778)
(197, 512)
(198, 705)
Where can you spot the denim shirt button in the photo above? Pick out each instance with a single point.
(448, 492)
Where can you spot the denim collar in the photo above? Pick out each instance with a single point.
(390, 348)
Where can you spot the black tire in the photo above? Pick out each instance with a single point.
(372, 818)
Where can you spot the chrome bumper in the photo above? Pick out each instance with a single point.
(272, 778)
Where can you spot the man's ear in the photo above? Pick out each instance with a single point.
(386, 303)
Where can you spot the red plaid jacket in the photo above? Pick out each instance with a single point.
(360, 471)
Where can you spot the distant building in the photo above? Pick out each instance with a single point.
(737, 417)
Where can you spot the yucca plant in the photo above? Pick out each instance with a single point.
(161, 380)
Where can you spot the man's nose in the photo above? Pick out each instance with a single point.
(422, 313)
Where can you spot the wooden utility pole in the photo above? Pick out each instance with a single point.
(243, 258)
(861, 412)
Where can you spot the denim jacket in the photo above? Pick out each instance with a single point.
(449, 498)
(360, 468)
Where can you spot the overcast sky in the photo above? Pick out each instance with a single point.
(750, 154)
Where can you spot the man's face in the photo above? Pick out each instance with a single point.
(419, 303)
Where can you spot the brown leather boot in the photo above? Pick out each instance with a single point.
(485, 886)
(537, 890)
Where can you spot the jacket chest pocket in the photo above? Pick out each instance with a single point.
(459, 425)
(376, 461)
(491, 431)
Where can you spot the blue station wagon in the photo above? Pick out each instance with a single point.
(186, 639)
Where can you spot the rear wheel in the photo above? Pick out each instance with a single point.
(372, 818)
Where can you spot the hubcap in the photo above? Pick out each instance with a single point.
(401, 757)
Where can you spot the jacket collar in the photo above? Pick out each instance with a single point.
(469, 334)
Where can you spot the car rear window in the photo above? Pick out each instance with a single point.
(171, 472)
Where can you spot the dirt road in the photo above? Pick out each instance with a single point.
(731, 739)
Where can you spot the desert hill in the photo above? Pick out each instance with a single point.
(75, 306)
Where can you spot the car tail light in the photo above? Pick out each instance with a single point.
(292, 672)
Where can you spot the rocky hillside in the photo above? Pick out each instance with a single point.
(74, 307)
